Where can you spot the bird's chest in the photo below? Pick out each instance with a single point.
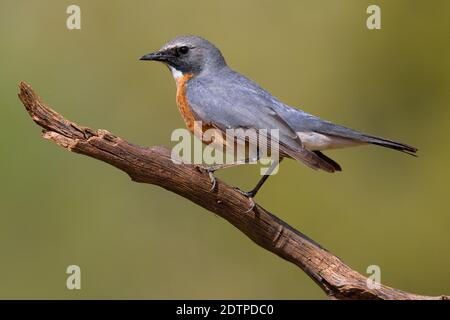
(218, 139)
(182, 101)
(185, 108)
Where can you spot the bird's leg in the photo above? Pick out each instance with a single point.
(252, 193)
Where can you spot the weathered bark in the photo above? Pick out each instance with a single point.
(154, 166)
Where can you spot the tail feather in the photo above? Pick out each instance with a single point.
(310, 158)
(391, 144)
(329, 128)
(330, 161)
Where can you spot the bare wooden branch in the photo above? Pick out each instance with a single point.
(154, 166)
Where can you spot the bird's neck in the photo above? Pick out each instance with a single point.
(181, 78)
(177, 74)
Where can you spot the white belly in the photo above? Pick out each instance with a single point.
(316, 141)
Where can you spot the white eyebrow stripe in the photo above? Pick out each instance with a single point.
(177, 46)
(173, 47)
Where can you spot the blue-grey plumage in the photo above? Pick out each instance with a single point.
(225, 99)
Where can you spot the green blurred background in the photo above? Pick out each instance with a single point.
(139, 241)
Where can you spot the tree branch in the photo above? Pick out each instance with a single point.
(154, 166)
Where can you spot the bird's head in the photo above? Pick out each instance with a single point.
(188, 55)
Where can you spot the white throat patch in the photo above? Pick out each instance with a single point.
(175, 73)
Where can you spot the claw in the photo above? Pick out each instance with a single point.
(250, 196)
(213, 180)
(252, 206)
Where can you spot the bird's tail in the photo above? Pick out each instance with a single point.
(328, 128)
(390, 144)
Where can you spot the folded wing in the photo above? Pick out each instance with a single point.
(240, 103)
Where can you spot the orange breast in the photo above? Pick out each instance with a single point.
(218, 140)
(185, 109)
(182, 102)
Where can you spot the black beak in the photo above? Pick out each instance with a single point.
(155, 56)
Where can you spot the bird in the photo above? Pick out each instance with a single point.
(208, 90)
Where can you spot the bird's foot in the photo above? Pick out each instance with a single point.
(210, 171)
(212, 178)
(249, 195)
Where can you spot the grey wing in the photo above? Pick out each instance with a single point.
(240, 103)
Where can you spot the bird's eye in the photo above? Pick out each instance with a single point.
(183, 50)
